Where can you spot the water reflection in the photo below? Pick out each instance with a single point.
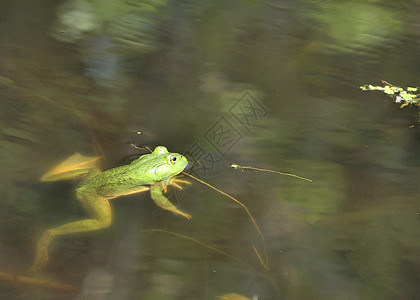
(175, 71)
(361, 26)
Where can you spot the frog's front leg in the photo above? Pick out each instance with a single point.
(173, 181)
(100, 212)
(162, 201)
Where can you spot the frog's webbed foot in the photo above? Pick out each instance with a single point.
(163, 202)
(41, 258)
(175, 182)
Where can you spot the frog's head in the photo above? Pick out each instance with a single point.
(164, 165)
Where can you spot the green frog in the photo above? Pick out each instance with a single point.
(154, 172)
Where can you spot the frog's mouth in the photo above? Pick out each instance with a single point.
(187, 166)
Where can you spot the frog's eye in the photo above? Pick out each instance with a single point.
(172, 159)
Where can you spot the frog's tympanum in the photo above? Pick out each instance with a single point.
(152, 172)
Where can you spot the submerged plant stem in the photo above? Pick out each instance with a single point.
(265, 265)
(198, 242)
(235, 166)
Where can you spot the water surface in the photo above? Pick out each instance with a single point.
(271, 84)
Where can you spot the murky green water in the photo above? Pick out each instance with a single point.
(270, 84)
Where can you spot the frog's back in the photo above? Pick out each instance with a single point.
(110, 182)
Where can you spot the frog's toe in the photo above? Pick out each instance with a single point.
(175, 183)
(185, 215)
(182, 181)
(178, 212)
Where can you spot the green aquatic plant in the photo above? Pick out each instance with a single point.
(407, 96)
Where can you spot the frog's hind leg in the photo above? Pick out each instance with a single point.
(100, 212)
(75, 166)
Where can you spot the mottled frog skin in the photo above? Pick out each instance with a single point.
(152, 172)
